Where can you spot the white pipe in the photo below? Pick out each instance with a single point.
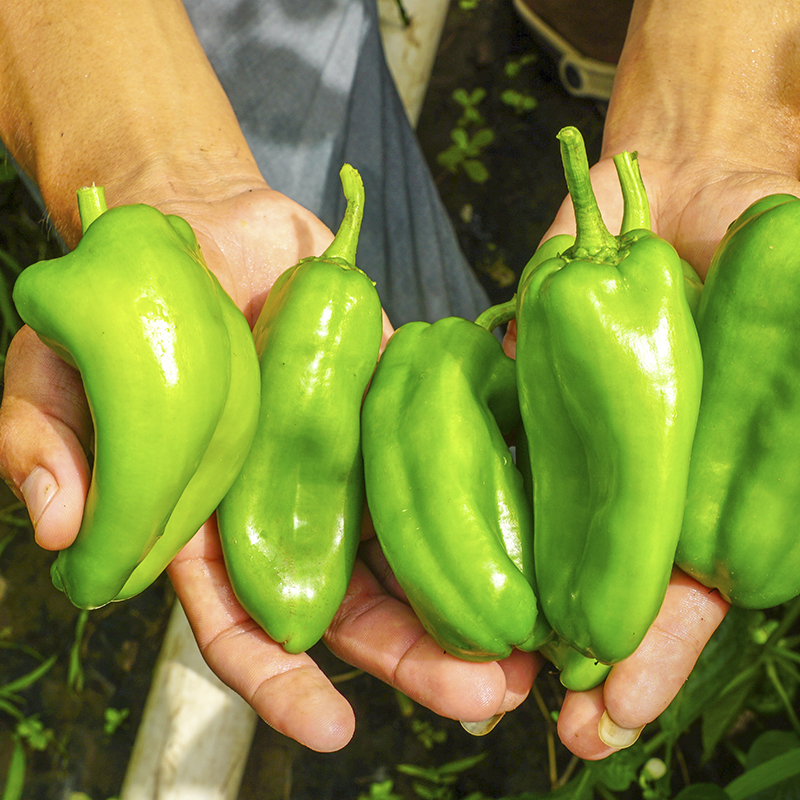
(195, 733)
(411, 50)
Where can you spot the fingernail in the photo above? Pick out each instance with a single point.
(484, 726)
(615, 736)
(38, 489)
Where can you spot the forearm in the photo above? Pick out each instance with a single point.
(700, 79)
(119, 94)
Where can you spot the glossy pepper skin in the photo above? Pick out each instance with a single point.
(576, 671)
(445, 497)
(171, 379)
(740, 531)
(291, 523)
(609, 371)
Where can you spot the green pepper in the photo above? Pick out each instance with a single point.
(743, 502)
(577, 672)
(171, 379)
(291, 523)
(636, 216)
(609, 372)
(446, 499)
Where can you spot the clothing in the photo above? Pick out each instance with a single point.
(309, 84)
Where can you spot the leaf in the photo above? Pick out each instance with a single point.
(450, 158)
(475, 170)
(702, 791)
(620, 770)
(773, 769)
(460, 138)
(25, 681)
(720, 716)
(15, 778)
(482, 138)
(720, 659)
(780, 769)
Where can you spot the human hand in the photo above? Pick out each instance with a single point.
(45, 431)
(692, 204)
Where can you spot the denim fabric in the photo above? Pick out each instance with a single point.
(309, 84)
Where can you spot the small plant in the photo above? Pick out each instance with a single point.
(465, 153)
(469, 102)
(113, 718)
(519, 101)
(29, 731)
(436, 783)
(513, 68)
(381, 790)
(426, 734)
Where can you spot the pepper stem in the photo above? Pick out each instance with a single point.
(635, 205)
(497, 315)
(343, 247)
(592, 238)
(91, 204)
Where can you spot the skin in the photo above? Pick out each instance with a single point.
(714, 132)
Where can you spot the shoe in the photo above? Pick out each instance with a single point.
(568, 30)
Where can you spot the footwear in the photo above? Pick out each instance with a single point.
(568, 29)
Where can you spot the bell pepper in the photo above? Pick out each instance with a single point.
(171, 379)
(446, 498)
(291, 523)
(609, 372)
(743, 502)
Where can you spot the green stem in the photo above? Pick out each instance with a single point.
(636, 207)
(498, 314)
(592, 238)
(91, 204)
(343, 247)
(404, 16)
(15, 778)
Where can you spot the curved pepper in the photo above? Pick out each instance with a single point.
(291, 523)
(609, 373)
(743, 503)
(171, 379)
(445, 496)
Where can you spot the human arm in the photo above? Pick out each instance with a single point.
(706, 96)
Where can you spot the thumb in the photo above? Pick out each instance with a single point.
(45, 432)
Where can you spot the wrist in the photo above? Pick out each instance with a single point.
(163, 175)
(701, 85)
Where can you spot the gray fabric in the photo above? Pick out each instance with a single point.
(310, 86)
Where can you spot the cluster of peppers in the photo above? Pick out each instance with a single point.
(537, 503)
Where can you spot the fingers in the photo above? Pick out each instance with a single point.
(638, 689)
(641, 687)
(45, 427)
(289, 692)
(381, 635)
